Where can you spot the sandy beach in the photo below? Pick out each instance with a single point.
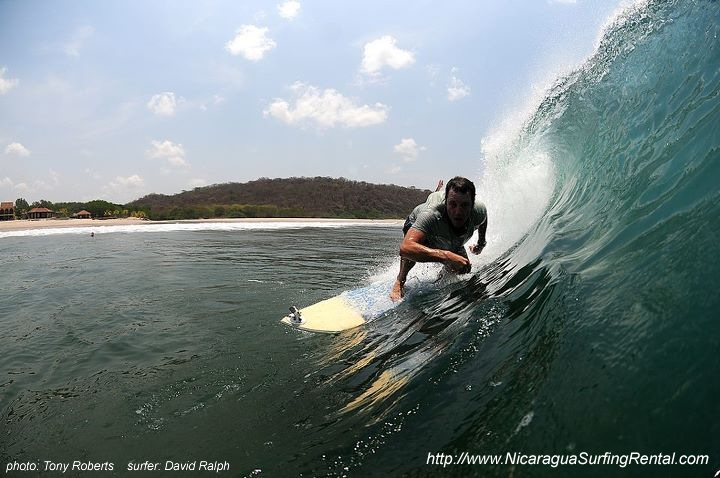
(27, 224)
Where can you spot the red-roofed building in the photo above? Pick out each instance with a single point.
(82, 215)
(40, 213)
(7, 211)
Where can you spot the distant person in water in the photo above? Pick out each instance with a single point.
(437, 230)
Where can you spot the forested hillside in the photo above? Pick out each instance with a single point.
(291, 197)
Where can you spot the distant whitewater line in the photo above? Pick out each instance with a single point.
(48, 228)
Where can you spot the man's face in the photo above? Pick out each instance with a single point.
(458, 206)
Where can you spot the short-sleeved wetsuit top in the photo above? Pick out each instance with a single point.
(431, 218)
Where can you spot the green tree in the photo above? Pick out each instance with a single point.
(21, 207)
(98, 207)
(43, 203)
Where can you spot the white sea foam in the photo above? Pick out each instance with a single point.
(195, 226)
(516, 188)
(518, 174)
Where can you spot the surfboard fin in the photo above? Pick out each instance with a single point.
(295, 316)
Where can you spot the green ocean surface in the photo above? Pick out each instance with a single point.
(135, 346)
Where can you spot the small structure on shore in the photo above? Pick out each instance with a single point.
(7, 211)
(41, 213)
(82, 215)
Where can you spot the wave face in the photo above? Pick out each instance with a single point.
(590, 326)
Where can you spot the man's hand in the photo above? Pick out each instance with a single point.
(413, 249)
(457, 263)
(477, 248)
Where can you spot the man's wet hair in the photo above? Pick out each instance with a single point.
(460, 185)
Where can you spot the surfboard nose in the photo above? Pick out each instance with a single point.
(295, 316)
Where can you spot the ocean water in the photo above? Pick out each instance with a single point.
(588, 326)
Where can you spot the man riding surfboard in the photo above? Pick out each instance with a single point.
(437, 230)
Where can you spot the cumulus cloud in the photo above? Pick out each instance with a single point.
(7, 84)
(197, 183)
(133, 181)
(163, 104)
(173, 153)
(408, 149)
(251, 42)
(457, 89)
(289, 10)
(383, 52)
(78, 40)
(326, 109)
(17, 149)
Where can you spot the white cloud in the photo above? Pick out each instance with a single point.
(327, 108)
(383, 52)
(78, 40)
(163, 104)
(251, 42)
(7, 84)
(133, 181)
(17, 149)
(38, 185)
(216, 101)
(197, 183)
(394, 169)
(564, 2)
(289, 10)
(408, 149)
(124, 184)
(173, 153)
(457, 89)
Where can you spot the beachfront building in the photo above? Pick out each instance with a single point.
(7, 211)
(40, 213)
(82, 215)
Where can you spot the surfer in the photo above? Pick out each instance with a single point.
(437, 230)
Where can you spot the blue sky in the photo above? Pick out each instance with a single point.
(118, 99)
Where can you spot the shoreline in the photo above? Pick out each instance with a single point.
(32, 224)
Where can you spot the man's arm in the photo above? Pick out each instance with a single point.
(481, 242)
(413, 247)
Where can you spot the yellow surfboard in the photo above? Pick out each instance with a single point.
(345, 311)
(329, 316)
